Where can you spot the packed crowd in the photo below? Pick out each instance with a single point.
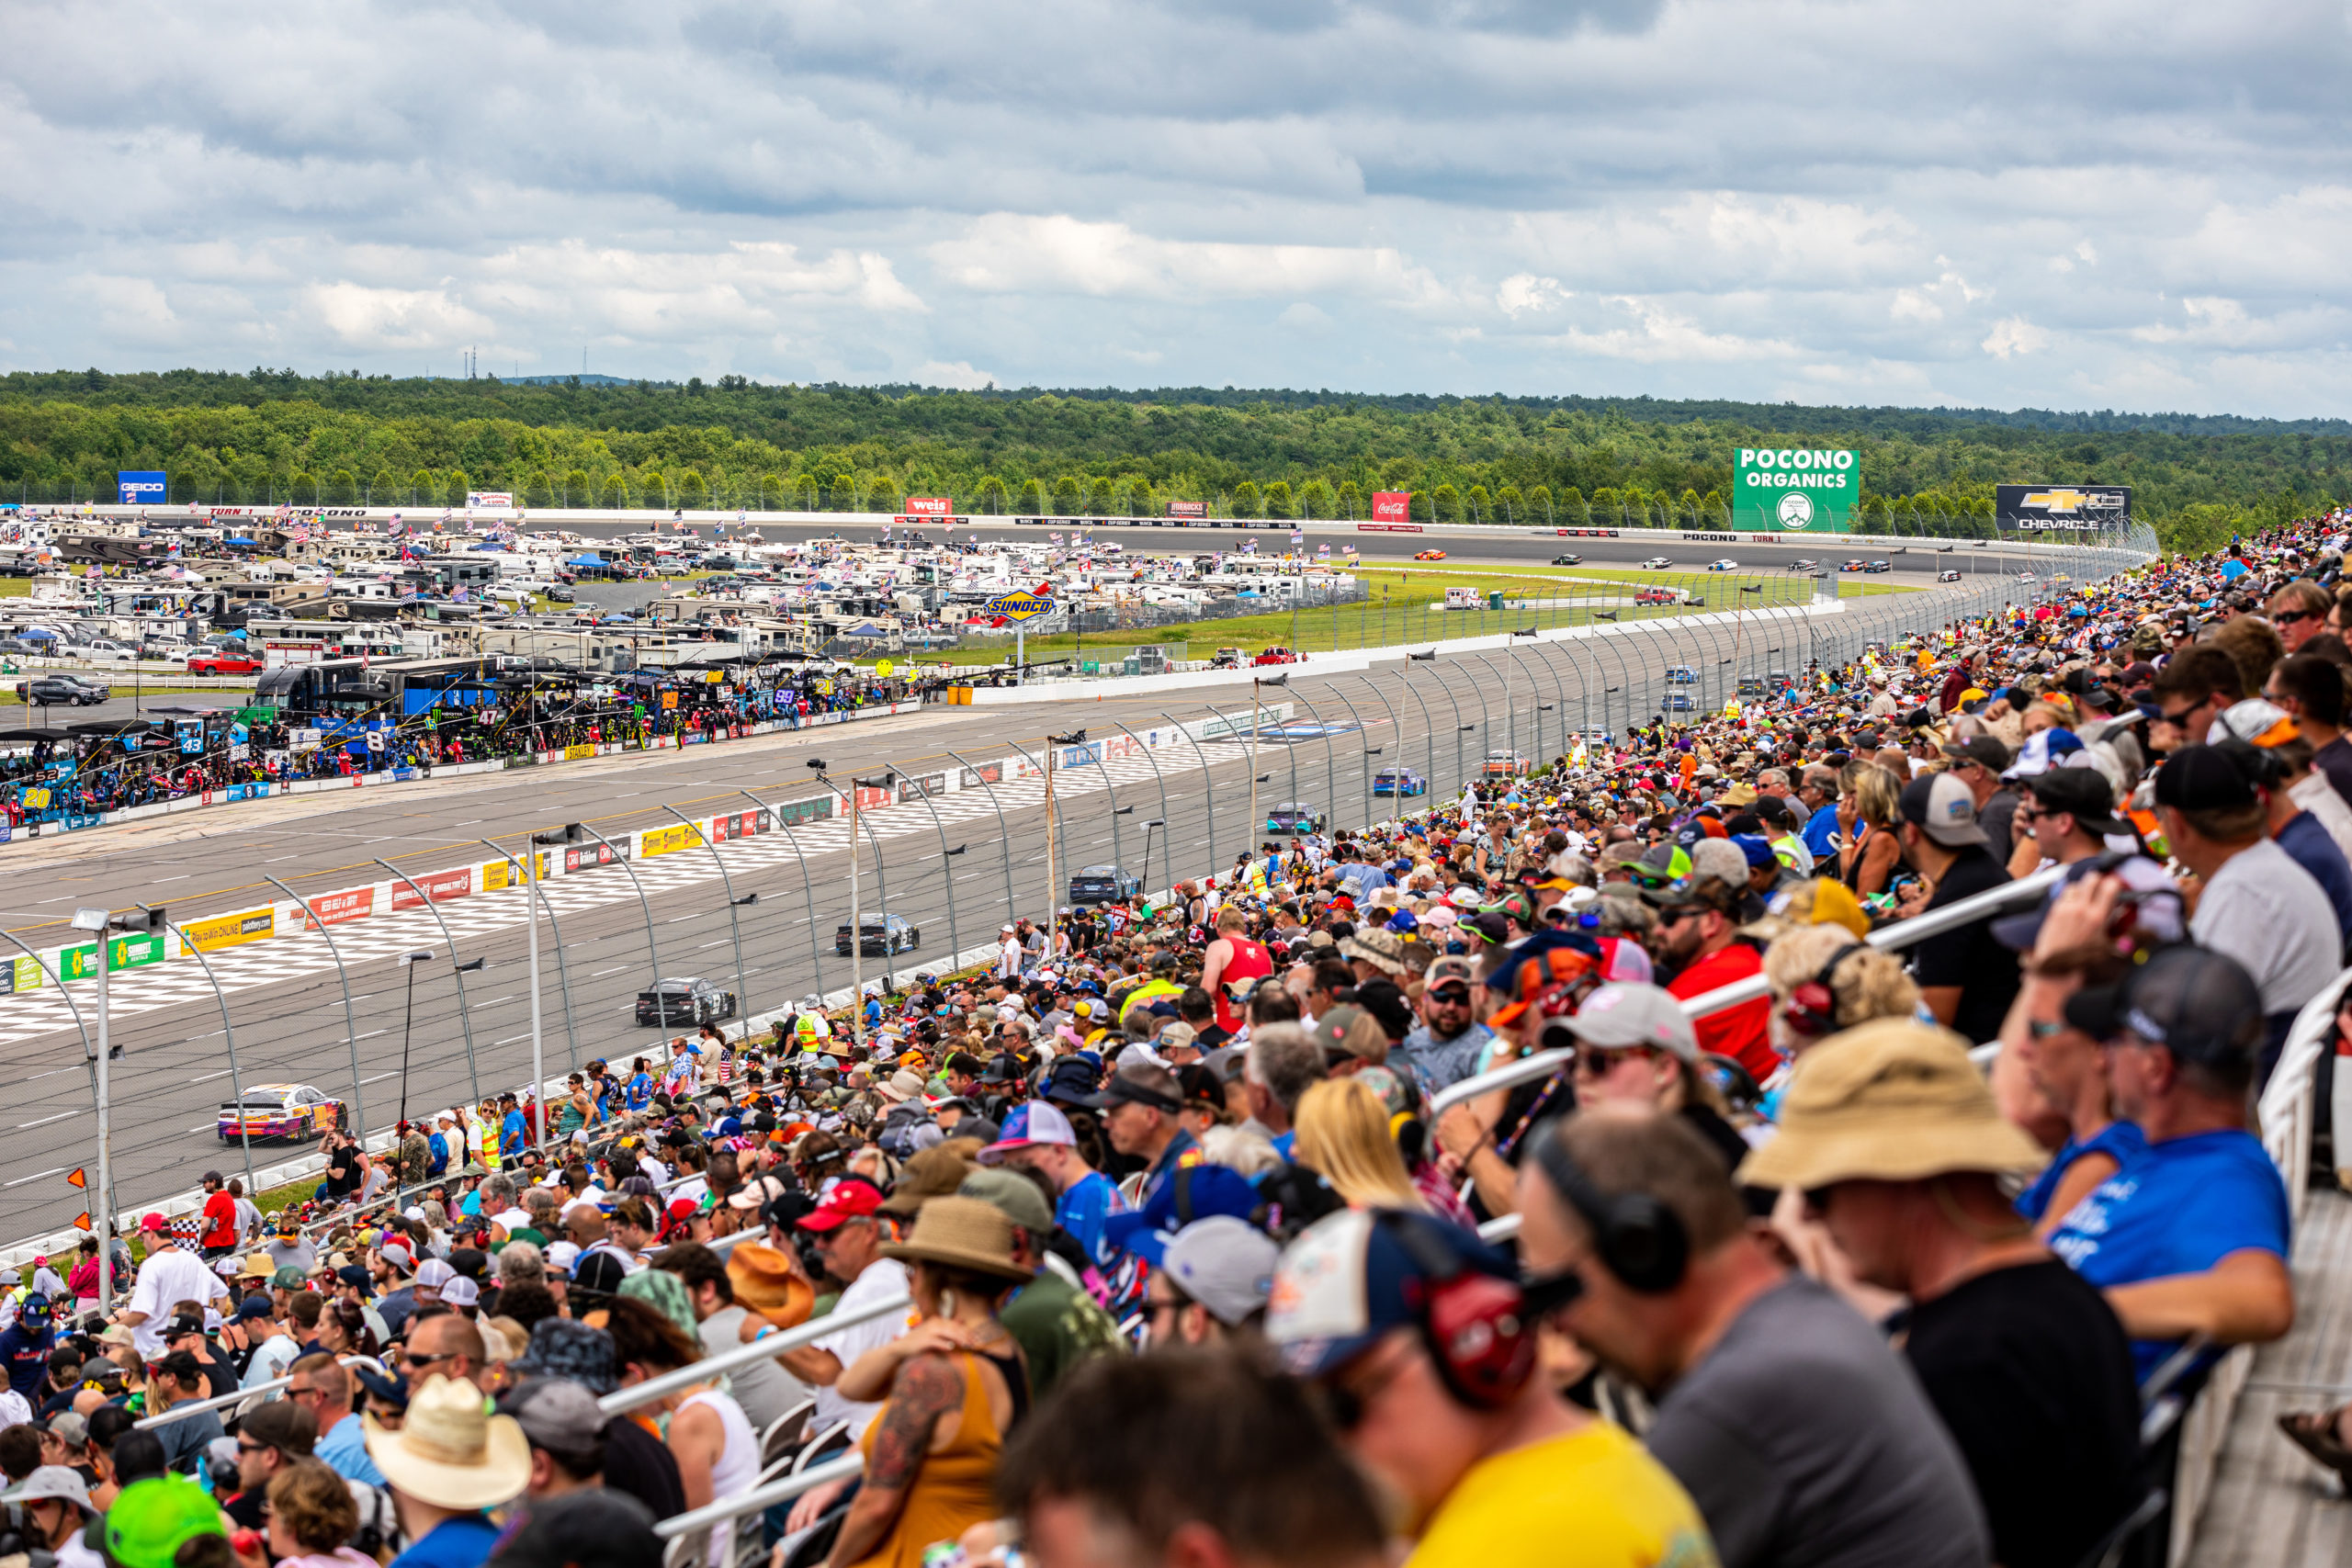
(1159, 1241)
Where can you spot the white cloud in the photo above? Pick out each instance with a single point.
(2014, 336)
(960, 374)
(1008, 253)
(393, 318)
(1524, 294)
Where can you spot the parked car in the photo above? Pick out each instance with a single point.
(1277, 655)
(1505, 765)
(223, 662)
(1726, 564)
(1103, 885)
(885, 934)
(1428, 554)
(1399, 781)
(556, 593)
(1657, 563)
(1296, 816)
(292, 1112)
(1568, 560)
(105, 650)
(688, 1000)
(73, 691)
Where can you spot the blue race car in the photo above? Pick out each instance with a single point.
(1399, 781)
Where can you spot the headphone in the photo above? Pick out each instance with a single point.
(1812, 1008)
(1476, 1325)
(1638, 1238)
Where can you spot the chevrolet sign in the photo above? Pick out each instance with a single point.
(2063, 508)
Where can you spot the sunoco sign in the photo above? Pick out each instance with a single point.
(1795, 489)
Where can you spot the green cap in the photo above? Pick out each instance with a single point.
(152, 1519)
(289, 1279)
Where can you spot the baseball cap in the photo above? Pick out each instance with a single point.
(1033, 1123)
(1624, 1014)
(1942, 808)
(757, 1193)
(555, 1413)
(848, 1199)
(2257, 723)
(434, 1272)
(1224, 1263)
(598, 1274)
(2203, 778)
(1756, 847)
(463, 1292)
(2202, 1005)
(2083, 793)
(281, 1424)
(1134, 1086)
(1020, 1198)
(1453, 969)
(253, 1309)
(1350, 1279)
(1191, 1193)
(152, 1519)
(1982, 748)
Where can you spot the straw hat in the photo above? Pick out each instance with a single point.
(965, 1232)
(450, 1452)
(1888, 1100)
(764, 1282)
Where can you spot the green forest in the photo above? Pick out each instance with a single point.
(270, 436)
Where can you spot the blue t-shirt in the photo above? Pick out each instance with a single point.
(2180, 1208)
(2122, 1142)
(1081, 1212)
(464, 1543)
(2311, 846)
(1818, 830)
(511, 1134)
(440, 1161)
(640, 1091)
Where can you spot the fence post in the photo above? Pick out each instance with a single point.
(1331, 766)
(104, 1231)
(1166, 821)
(350, 1014)
(465, 1013)
(1003, 835)
(1362, 735)
(955, 942)
(537, 886)
(734, 927)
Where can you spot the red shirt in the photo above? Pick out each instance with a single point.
(220, 1220)
(1738, 1032)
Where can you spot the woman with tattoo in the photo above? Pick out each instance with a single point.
(951, 1386)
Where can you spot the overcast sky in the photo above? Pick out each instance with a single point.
(2141, 205)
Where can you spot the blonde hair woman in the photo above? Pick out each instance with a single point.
(1343, 1136)
(1865, 983)
(1868, 846)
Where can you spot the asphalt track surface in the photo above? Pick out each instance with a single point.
(288, 1006)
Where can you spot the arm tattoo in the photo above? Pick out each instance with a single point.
(927, 1388)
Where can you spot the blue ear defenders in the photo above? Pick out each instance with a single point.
(1637, 1238)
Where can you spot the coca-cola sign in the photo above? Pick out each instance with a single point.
(1391, 506)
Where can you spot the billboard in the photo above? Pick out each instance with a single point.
(491, 499)
(145, 488)
(1391, 506)
(929, 505)
(2066, 508)
(1788, 490)
(1188, 509)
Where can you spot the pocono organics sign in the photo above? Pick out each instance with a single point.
(1795, 489)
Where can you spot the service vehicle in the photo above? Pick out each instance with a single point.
(1227, 658)
(223, 662)
(291, 1111)
(1659, 596)
(688, 1000)
(880, 933)
(1277, 655)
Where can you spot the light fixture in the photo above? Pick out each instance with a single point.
(90, 919)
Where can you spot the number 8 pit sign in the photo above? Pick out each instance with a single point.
(1795, 489)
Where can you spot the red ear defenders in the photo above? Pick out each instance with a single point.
(1474, 1324)
(1637, 1238)
(1812, 1008)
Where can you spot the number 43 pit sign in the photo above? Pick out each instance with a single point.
(1795, 489)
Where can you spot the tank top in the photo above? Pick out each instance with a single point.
(738, 1466)
(952, 1490)
(1251, 961)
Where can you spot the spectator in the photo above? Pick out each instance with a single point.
(722, 1292)
(1966, 978)
(164, 1521)
(2256, 905)
(1190, 1457)
(57, 1508)
(636, 1462)
(1212, 1283)
(1445, 1045)
(2068, 815)
(322, 1386)
(270, 1440)
(1889, 1132)
(1635, 1045)
(1979, 763)
(2190, 1236)
(446, 1344)
(566, 1430)
(1057, 1324)
(178, 1379)
(167, 1278)
(2311, 689)
(449, 1461)
(1796, 1429)
(2194, 685)
(219, 1233)
(1698, 944)
(1424, 1349)
(312, 1519)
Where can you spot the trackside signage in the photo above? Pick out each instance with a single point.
(1789, 490)
(1391, 506)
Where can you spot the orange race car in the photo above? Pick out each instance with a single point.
(1430, 555)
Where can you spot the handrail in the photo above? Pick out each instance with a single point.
(759, 1498)
(1892, 938)
(222, 1400)
(696, 1374)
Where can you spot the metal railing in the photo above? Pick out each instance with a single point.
(223, 1401)
(696, 1374)
(759, 1499)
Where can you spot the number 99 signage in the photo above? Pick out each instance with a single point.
(1793, 489)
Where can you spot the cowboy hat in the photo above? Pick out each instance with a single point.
(449, 1451)
(764, 1282)
(965, 1232)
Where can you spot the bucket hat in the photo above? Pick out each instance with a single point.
(965, 1232)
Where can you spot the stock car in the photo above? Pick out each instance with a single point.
(1505, 765)
(885, 934)
(1947, 577)
(1565, 560)
(1428, 554)
(1879, 566)
(2025, 577)
(1681, 675)
(1103, 885)
(1726, 564)
(1657, 563)
(1296, 816)
(1677, 702)
(688, 1000)
(1853, 566)
(1802, 564)
(222, 661)
(293, 1111)
(1399, 782)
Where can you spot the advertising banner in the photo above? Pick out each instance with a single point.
(1391, 506)
(929, 505)
(1199, 509)
(815, 811)
(986, 773)
(669, 840)
(142, 488)
(337, 908)
(1795, 489)
(228, 930)
(499, 874)
(490, 497)
(2069, 509)
(26, 974)
(440, 887)
(928, 785)
(588, 855)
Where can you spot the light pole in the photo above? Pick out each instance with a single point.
(100, 923)
(734, 928)
(1150, 824)
(1052, 897)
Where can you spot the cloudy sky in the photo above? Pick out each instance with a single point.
(2142, 205)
